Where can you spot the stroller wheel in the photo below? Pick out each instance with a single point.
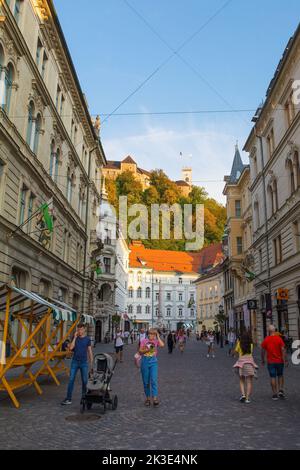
(114, 402)
(82, 405)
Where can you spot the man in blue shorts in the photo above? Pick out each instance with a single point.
(274, 346)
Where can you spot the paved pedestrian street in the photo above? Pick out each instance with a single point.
(199, 410)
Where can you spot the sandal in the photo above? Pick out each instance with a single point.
(147, 402)
(155, 403)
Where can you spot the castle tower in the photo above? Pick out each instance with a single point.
(187, 175)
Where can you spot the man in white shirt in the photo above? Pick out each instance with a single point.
(119, 344)
(126, 336)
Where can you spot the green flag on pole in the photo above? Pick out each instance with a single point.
(47, 212)
(249, 276)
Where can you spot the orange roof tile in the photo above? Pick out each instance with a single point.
(180, 261)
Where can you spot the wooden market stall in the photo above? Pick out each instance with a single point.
(34, 329)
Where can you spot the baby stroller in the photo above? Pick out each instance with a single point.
(98, 384)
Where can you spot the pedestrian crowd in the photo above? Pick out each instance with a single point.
(273, 353)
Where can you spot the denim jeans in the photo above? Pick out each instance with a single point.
(149, 375)
(84, 369)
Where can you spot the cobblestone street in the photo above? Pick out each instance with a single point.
(199, 410)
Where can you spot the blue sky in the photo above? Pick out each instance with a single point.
(234, 55)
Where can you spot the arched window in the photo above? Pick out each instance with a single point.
(139, 293)
(130, 309)
(148, 291)
(147, 309)
(69, 186)
(139, 309)
(297, 168)
(139, 276)
(30, 126)
(9, 77)
(292, 176)
(38, 127)
(271, 199)
(53, 159)
(130, 292)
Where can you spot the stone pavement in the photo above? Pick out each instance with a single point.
(199, 410)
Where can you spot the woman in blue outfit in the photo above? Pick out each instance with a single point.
(148, 350)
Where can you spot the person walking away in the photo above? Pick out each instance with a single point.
(217, 336)
(126, 336)
(118, 338)
(82, 349)
(231, 341)
(181, 340)
(246, 367)
(210, 339)
(149, 366)
(131, 337)
(274, 347)
(170, 341)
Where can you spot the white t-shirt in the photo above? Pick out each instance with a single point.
(119, 339)
(142, 336)
(231, 337)
(126, 334)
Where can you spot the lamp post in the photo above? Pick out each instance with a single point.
(221, 323)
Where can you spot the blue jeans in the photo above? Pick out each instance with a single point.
(84, 369)
(149, 375)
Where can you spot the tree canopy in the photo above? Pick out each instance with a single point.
(162, 190)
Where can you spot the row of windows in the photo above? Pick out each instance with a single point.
(208, 293)
(293, 169)
(168, 295)
(148, 277)
(168, 311)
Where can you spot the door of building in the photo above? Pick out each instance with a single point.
(98, 333)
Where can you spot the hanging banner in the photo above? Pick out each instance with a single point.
(268, 305)
(246, 316)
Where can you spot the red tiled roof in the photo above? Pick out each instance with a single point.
(181, 183)
(180, 261)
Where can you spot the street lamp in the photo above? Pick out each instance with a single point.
(221, 323)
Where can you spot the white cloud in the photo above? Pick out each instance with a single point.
(212, 152)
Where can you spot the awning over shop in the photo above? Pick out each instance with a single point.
(25, 303)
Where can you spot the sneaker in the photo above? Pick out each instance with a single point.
(66, 402)
(247, 401)
(275, 397)
(214, 356)
(281, 394)
(207, 356)
(242, 399)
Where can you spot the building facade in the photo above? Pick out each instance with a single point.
(115, 168)
(161, 289)
(209, 295)
(50, 154)
(239, 252)
(110, 260)
(273, 146)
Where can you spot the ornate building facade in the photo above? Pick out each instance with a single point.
(274, 148)
(239, 241)
(161, 285)
(49, 151)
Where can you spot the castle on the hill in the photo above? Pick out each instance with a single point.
(114, 168)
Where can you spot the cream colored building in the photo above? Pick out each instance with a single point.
(48, 149)
(209, 295)
(274, 146)
(239, 233)
(115, 168)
